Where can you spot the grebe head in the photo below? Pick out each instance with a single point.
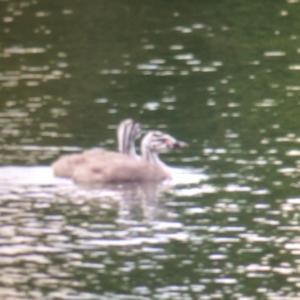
(128, 131)
(160, 142)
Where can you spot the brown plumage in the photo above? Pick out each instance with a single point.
(127, 132)
(125, 169)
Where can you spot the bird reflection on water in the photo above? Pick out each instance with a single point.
(136, 201)
(139, 202)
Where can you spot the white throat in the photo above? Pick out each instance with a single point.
(152, 157)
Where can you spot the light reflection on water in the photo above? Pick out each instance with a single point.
(227, 226)
(67, 237)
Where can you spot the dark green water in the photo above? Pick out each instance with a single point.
(223, 76)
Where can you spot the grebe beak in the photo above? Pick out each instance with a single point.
(180, 144)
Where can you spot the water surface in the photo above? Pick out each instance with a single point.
(221, 75)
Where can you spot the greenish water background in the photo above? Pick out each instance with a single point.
(221, 75)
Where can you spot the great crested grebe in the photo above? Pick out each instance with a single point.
(122, 168)
(128, 131)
